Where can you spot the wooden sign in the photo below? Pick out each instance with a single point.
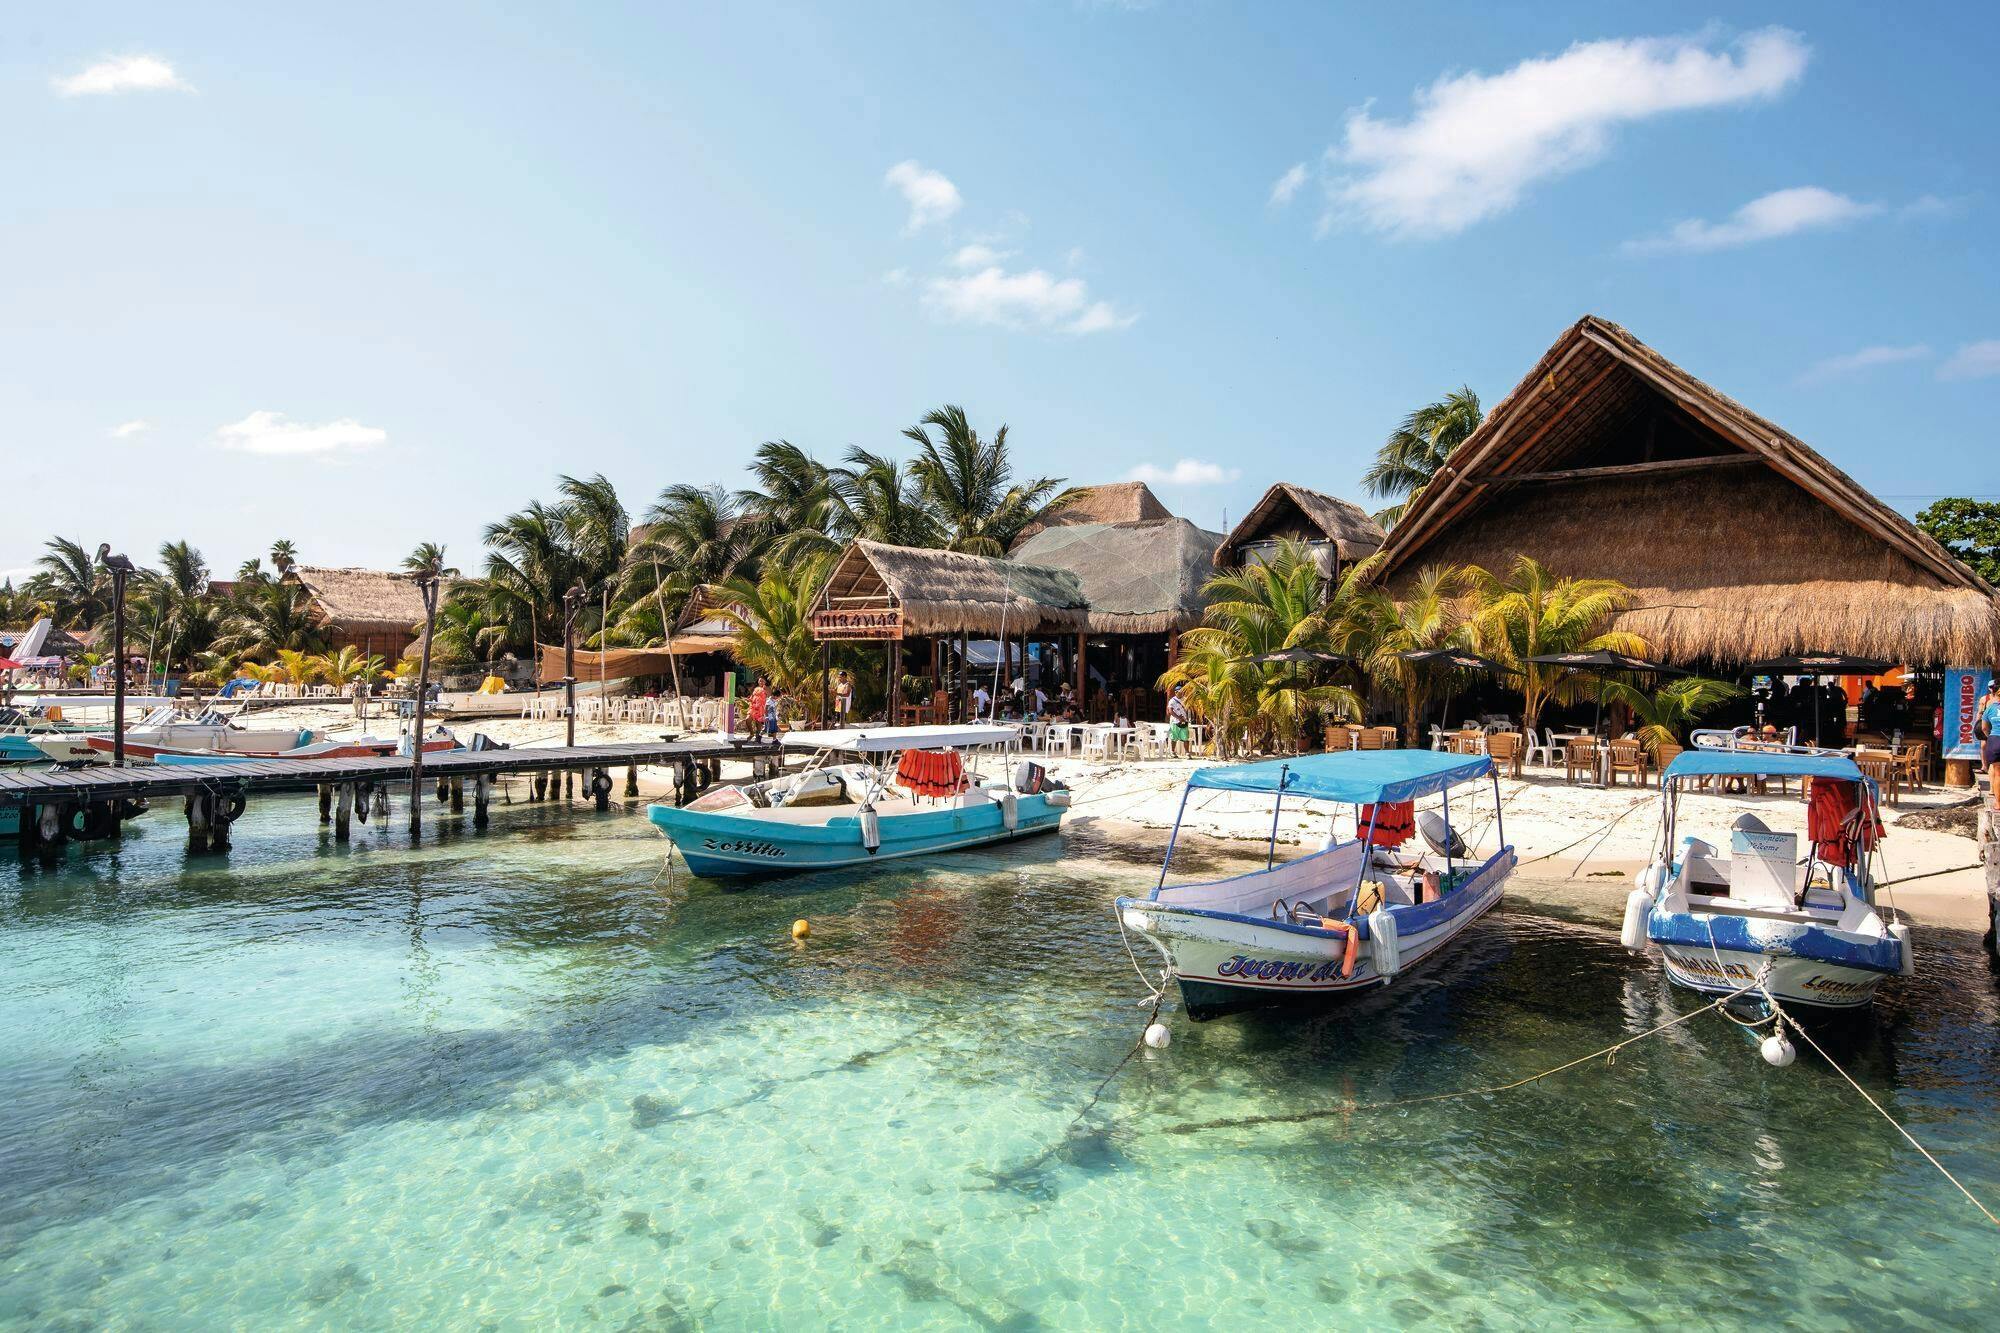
(874, 623)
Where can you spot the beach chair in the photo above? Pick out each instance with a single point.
(1340, 737)
(1368, 738)
(1580, 756)
(1506, 749)
(1882, 766)
(1628, 757)
(1546, 747)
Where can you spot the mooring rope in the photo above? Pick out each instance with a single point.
(1599, 829)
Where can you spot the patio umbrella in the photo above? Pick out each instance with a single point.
(1604, 662)
(1301, 655)
(1818, 666)
(9, 664)
(1459, 659)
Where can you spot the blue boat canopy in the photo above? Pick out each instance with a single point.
(1357, 777)
(1760, 764)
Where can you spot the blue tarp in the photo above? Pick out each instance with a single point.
(1760, 764)
(1354, 776)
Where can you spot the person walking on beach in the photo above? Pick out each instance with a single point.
(1987, 729)
(760, 699)
(1177, 725)
(774, 707)
(843, 696)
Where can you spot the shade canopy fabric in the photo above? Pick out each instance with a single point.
(1819, 664)
(1456, 657)
(1353, 776)
(888, 740)
(1602, 659)
(9, 664)
(1760, 764)
(1301, 655)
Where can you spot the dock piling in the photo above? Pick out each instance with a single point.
(482, 795)
(631, 779)
(199, 806)
(325, 802)
(343, 813)
(458, 796)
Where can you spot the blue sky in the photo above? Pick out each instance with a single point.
(366, 275)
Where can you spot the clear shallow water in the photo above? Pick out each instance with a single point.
(527, 1079)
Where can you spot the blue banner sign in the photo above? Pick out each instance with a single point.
(1964, 687)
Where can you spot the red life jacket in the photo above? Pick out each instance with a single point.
(1839, 831)
(1394, 823)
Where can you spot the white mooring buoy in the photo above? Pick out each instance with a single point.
(1778, 1050)
(1157, 1036)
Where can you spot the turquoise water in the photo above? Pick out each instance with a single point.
(529, 1079)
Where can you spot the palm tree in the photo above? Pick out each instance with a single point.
(425, 556)
(465, 632)
(773, 620)
(1417, 448)
(296, 668)
(1532, 613)
(1260, 609)
(284, 555)
(71, 583)
(528, 568)
(596, 529)
(793, 508)
(967, 480)
(1664, 716)
(695, 535)
(268, 616)
(879, 499)
(17, 605)
(251, 571)
(1429, 615)
(173, 605)
(343, 668)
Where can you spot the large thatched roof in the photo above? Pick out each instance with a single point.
(1297, 511)
(943, 592)
(1610, 461)
(1111, 502)
(1140, 578)
(361, 601)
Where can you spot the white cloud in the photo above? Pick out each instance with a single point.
(1184, 472)
(897, 277)
(1032, 298)
(1853, 363)
(125, 430)
(273, 433)
(1931, 206)
(123, 74)
(1475, 143)
(978, 255)
(930, 194)
(1779, 213)
(1287, 185)
(1973, 361)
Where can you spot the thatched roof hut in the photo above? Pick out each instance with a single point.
(363, 603)
(882, 591)
(1288, 512)
(1609, 461)
(1139, 578)
(1112, 502)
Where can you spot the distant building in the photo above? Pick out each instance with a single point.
(1113, 502)
(371, 610)
(1339, 532)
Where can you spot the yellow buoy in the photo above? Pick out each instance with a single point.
(801, 928)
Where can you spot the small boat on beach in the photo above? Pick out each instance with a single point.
(1357, 914)
(908, 792)
(164, 738)
(1801, 930)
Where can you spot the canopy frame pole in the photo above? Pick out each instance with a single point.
(1499, 821)
(1277, 807)
(1172, 838)
(1367, 855)
(1445, 795)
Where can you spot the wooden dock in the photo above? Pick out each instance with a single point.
(91, 803)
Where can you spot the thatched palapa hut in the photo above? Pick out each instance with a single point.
(1339, 532)
(1145, 584)
(1610, 461)
(893, 594)
(1112, 502)
(370, 610)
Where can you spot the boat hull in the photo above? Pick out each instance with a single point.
(728, 846)
(1225, 963)
(373, 750)
(1796, 962)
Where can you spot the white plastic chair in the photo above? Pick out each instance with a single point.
(1438, 738)
(1546, 747)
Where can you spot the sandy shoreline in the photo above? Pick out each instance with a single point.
(1559, 832)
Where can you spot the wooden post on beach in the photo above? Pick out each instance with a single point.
(325, 802)
(631, 779)
(1082, 680)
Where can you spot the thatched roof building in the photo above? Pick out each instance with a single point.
(1610, 461)
(1339, 528)
(1112, 502)
(878, 591)
(1139, 578)
(363, 607)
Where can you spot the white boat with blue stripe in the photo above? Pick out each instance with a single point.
(1763, 920)
(906, 792)
(1355, 915)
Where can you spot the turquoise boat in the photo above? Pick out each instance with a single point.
(836, 815)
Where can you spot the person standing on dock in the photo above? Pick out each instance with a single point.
(843, 696)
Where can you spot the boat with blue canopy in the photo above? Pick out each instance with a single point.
(867, 795)
(1761, 918)
(1356, 914)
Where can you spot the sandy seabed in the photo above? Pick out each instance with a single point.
(1577, 844)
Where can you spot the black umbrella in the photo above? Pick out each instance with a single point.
(1818, 666)
(1457, 658)
(1604, 662)
(1301, 655)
